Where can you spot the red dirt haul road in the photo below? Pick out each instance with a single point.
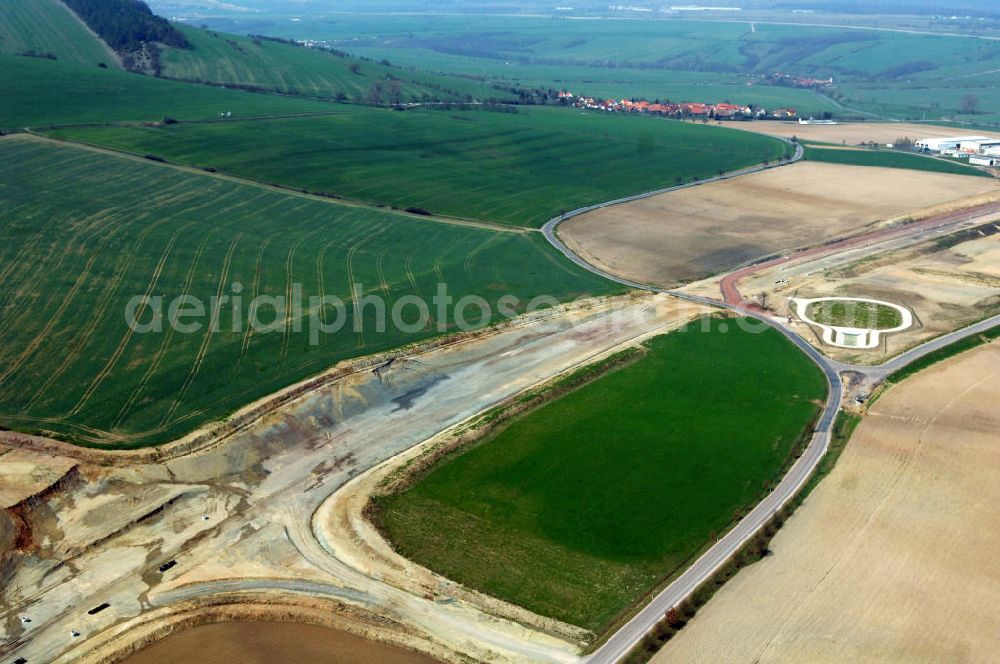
(730, 283)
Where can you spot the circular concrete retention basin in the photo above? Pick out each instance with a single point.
(849, 332)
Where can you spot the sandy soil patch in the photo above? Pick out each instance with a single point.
(24, 473)
(893, 557)
(945, 289)
(854, 133)
(691, 234)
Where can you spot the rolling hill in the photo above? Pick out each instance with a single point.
(512, 168)
(269, 65)
(39, 93)
(49, 29)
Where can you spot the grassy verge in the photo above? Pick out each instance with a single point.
(889, 159)
(585, 504)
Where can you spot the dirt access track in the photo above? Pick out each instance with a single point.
(238, 517)
(893, 557)
(690, 234)
(855, 133)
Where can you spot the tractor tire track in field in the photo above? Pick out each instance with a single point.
(39, 338)
(321, 269)
(289, 292)
(167, 338)
(95, 435)
(81, 341)
(320, 281)
(360, 336)
(470, 259)
(286, 190)
(206, 341)
(28, 246)
(380, 271)
(91, 228)
(408, 268)
(127, 338)
(252, 311)
(33, 276)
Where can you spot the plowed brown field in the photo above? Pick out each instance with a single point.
(694, 233)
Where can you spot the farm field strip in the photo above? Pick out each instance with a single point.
(683, 236)
(511, 168)
(39, 93)
(888, 159)
(163, 232)
(535, 539)
(876, 71)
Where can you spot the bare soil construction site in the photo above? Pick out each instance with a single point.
(892, 557)
(687, 235)
(947, 281)
(117, 545)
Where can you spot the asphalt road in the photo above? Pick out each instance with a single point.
(285, 500)
(631, 633)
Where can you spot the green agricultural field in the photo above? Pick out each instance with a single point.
(889, 159)
(893, 74)
(289, 69)
(580, 507)
(49, 27)
(615, 83)
(513, 168)
(75, 249)
(862, 315)
(38, 93)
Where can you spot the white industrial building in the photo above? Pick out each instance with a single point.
(984, 160)
(978, 147)
(951, 143)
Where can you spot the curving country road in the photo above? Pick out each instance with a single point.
(631, 633)
(221, 519)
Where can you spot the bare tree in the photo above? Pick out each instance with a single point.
(969, 104)
(395, 93)
(374, 96)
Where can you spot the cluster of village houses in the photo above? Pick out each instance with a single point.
(720, 111)
(798, 81)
